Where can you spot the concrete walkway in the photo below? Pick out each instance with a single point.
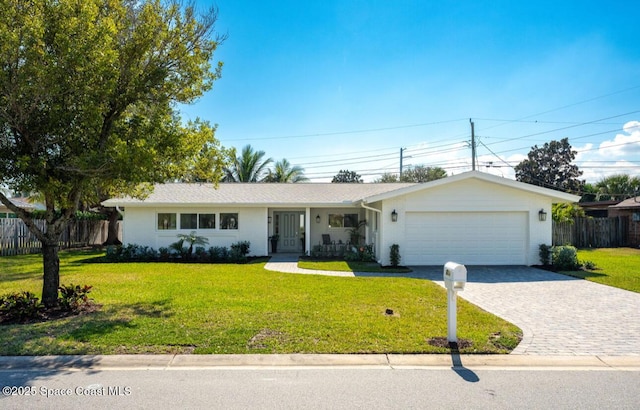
(559, 315)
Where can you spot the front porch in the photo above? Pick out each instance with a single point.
(298, 231)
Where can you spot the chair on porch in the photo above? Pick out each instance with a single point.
(326, 239)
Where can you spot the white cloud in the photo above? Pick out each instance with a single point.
(623, 144)
(594, 171)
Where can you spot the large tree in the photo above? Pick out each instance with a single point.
(346, 176)
(283, 171)
(88, 95)
(550, 166)
(249, 166)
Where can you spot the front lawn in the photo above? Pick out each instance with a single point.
(618, 267)
(206, 308)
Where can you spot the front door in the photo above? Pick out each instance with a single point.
(290, 228)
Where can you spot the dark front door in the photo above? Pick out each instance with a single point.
(291, 225)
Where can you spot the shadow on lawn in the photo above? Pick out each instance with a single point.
(585, 274)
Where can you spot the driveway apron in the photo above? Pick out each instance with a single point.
(558, 314)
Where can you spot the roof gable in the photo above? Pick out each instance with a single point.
(555, 195)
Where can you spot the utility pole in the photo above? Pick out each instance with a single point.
(473, 148)
(401, 150)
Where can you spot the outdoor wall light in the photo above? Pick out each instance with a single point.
(269, 219)
(318, 219)
(542, 215)
(394, 216)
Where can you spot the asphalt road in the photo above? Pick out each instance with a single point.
(322, 388)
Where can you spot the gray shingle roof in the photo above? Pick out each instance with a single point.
(259, 194)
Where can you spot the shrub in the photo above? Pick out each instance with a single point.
(565, 258)
(164, 253)
(545, 254)
(589, 265)
(20, 306)
(239, 252)
(361, 253)
(241, 247)
(177, 249)
(218, 254)
(74, 298)
(316, 251)
(130, 252)
(201, 253)
(394, 255)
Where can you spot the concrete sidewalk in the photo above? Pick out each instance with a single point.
(298, 361)
(288, 263)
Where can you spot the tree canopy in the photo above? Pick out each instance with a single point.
(346, 176)
(88, 91)
(418, 173)
(550, 166)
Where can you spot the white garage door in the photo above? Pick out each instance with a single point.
(471, 238)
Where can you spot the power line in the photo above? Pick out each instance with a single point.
(327, 134)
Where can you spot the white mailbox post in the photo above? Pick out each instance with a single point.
(455, 277)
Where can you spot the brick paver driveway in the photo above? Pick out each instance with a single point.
(558, 315)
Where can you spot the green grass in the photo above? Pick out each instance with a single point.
(206, 308)
(618, 267)
(344, 266)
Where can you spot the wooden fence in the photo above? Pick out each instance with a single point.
(592, 232)
(15, 237)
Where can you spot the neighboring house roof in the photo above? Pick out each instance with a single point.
(23, 203)
(310, 194)
(597, 204)
(631, 203)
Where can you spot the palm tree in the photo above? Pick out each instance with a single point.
(250, 166)
(283, 171)
(617, 187)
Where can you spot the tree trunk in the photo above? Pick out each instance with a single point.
(51, 280)
(112, 232)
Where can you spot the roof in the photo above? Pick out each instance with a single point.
(268, 194)
(558, 196)
(24, 203)
(308, 194)
(630, 203)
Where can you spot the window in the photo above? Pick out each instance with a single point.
(207, 221)
(229, 221)
(188, 221)
(343, 220)
(336, 221)
(166, 221)
(350, 220)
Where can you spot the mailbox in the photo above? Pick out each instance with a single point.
(455, 276)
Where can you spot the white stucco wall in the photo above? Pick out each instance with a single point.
(469, 195)
(140, 227)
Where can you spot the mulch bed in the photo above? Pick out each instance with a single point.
(48, 314)
(443, 342)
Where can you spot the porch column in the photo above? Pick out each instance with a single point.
(307, 230)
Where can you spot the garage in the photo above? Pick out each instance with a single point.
(471, 238)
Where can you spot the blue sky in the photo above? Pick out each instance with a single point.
(333, 85)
